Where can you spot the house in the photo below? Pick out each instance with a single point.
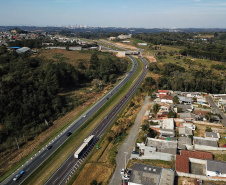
(212, 135)
(185, 131)
(164, 107)
(162, 92)
(167, 123)
(163, 146)
(197, 154)
(204, 143)
(187, 116)
(166, 133)
(215, 168)
(189, 125)
(166, 99)
(145, 174)
(184, 108)
(182, 163)
(183, 141)
(176, 93)
(185, 100)
(23, 50)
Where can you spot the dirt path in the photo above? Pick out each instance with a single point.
(126, 148)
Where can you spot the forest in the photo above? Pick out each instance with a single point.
(191, 44)
(29, 91)
(175, 77)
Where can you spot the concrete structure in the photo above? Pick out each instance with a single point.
(151, 175)
(212, 135)
(216, 168)
(185, 108)
(183, 142)
(125, 36)
(166, 133)
(162, 145)
(185, 131)
(201, 143)
(167, 123)
(189, 125)
(23, 50)
(185, 100)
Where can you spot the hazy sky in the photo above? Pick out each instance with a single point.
(118, 13)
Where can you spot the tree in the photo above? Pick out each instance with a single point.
(208, 129)
(171, 114)
(176, 100)
(155, 109)
(94, 62)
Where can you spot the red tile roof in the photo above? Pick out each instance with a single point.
(162, 91)
(197, 154)
(165, 97)
(182, 164)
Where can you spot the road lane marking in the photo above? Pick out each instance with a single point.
(55, 180)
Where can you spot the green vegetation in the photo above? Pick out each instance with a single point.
(31, 97)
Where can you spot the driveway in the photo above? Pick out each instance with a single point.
(126, 148)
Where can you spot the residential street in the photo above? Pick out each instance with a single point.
(216, 109)
(126, 148)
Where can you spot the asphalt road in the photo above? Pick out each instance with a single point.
(71, 165)
(31, 165)
(216, 110)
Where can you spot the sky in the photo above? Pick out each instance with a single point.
(115, 13)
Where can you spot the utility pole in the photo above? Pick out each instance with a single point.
(124, 168)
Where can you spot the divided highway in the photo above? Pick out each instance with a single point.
(31, 165)
(62, 175)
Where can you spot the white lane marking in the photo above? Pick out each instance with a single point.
(55, 180)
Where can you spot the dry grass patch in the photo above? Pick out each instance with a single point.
(158, 163)
(96, 171)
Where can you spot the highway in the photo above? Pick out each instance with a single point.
(62, 175)
(42, 155)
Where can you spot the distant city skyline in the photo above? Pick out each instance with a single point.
(124, 13)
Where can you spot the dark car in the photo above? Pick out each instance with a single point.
(69, 133)
(17, 177)
(49, 147)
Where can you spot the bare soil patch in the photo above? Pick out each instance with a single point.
(150, 58)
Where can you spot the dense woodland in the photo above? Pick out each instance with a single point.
(29, 91)
(192, 44)
(175, 77)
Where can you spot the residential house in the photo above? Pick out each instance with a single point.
(163, 146)
(215, 168)
(182, 163)
(201, 143)
(166, 99)
(167, 123)
(164, 107)
(189, 125)
(166, 133)
(185, 131)
(197, 154)
(145, 174)
(183, 142)
(162, 92)
(185, 100)
(212, 135)
(184, 108)
(187, 116)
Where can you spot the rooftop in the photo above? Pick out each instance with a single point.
(205, 141)
(214, 166)
(182, 164)
(197, 154)
(212, 134)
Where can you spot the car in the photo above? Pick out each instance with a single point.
(49, 147)
(22, 172)
(69, 133)
(107, 98)
(84, 116)
(224, 145)
(17, 177)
